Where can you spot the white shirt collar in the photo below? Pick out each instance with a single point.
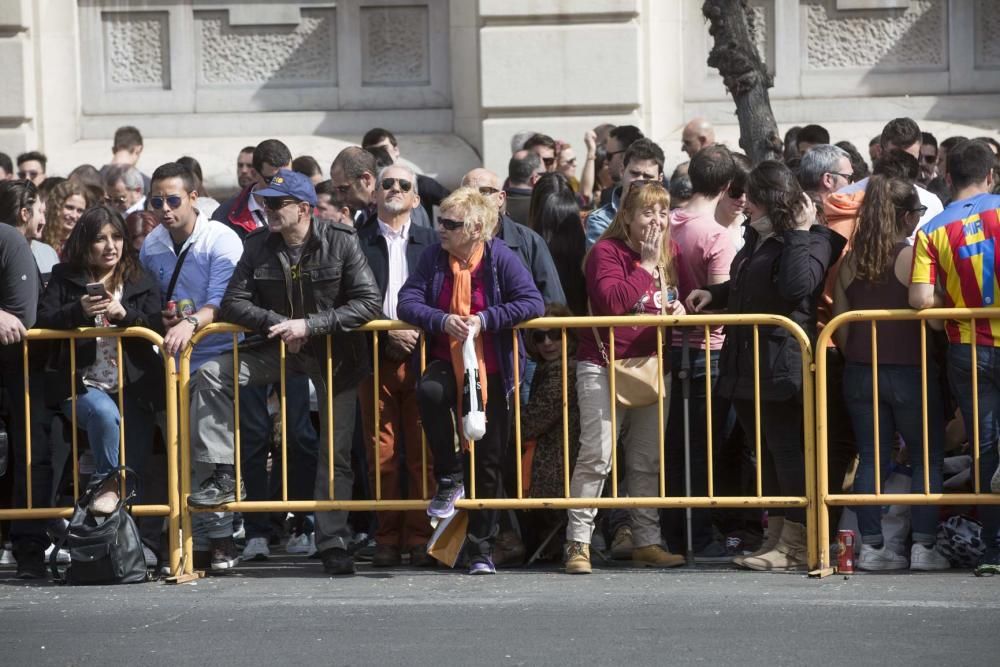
(391, 233)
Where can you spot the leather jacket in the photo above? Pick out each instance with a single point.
(331, 287)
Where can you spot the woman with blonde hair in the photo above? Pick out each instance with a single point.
(632, 269)
(468, 285)
(63, 209)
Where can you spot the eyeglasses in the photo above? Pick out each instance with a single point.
(404, 184)
(929, 159)
(116, 200)
(611, 154)
(173, 201)
(28, 174)
(487, 190)
(848, 177)
(734, 193)
(539, 335)
(277, 203)
(451, 225)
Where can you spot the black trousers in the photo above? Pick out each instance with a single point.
(784, 471)
(437, 394)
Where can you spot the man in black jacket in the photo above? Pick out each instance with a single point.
(393, 243)
(301, 280)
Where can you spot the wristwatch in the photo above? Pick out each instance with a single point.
(193, 320)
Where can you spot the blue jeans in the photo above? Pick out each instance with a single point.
(255, 440)
(899, 411)
(988, 377)
(97, 414)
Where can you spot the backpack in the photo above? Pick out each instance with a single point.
(102, 549)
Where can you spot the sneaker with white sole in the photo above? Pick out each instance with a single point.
(63, 557)
(256, 549)
(7, 554)
(927, 559)
(881, 559)
(303, 543)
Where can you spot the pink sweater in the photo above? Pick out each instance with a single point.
(618, 285)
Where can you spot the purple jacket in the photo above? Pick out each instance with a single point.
(511, 296)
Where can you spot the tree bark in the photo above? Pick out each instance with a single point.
(745, 76)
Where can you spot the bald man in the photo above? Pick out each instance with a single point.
(697, 134)
(525, 243)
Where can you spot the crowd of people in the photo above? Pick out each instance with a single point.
(297, 257)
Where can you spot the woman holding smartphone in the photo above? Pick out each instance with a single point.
(102, 284)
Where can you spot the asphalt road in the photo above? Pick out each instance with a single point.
(286, 612)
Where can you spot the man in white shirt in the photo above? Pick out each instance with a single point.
(392, 243)
(904, 134)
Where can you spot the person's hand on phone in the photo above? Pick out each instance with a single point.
(94, 305)
(115, 311)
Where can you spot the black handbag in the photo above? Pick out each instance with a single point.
(102, 549)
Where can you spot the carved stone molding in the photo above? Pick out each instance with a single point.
(395, 48)
(136, 49)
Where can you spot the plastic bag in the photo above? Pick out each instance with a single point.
(473, 416)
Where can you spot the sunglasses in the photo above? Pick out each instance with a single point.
(734, 193)
(539, 335)
(173, 201)
(849, 177)
(451, 225)
(115, 200)
(28, 174)
(929, 159)
(611, 154)
(549, 161)
(487, 190)
(278, 203)
(404, 184)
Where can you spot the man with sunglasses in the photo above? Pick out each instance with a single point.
(353, 174)
(31, 166)
(545, 147)
(643, 161)
(432, 193)
(299, 281)
(392, 244)
(193, 259)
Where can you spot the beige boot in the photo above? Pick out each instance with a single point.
(788, 554)
(577, 558)
(654, 555)
(774, 524)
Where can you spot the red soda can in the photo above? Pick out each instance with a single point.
(171, 308)
(845, 559)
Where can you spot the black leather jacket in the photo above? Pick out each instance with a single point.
(333, 289)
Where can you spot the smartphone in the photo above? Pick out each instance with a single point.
(97, 289)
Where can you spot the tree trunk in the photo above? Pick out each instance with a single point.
(745, 76)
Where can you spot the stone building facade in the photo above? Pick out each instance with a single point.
(455, 79)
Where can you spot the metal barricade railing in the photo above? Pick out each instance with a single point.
(825, 498)
(172, 509)
(663, 324)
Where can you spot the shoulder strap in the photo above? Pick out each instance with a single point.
(177, 272)
(663, 311)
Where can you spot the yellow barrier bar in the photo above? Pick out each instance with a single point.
(659, 411)
(27, 421)
(914, 499)
(237, 453)
(975, 405)
(283, 406)
(75, 436)
(377, 412)
(813, 539)
(173, 491)
(330, 430)
(423, 435)
(565, 409)
(756, 408)
(517, 416)
(614, 416)
(708, 410)
(924, 407)
(184, 476)
(878, 451)
(121, 420)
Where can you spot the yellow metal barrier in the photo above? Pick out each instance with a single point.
(699, 322)
(172, 509)
(827, 499)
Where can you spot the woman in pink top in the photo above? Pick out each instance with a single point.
(632, 269)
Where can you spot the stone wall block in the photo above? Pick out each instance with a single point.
(14, 102)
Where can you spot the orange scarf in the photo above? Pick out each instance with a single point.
(461, 305)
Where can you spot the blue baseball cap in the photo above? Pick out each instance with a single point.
(288, 183)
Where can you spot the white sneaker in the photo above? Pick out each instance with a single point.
(880, 560)
(7, 555)
(303, 543)
(256, 549)
(62, 558)
(927, 559)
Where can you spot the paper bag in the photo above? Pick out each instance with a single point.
(448, 539)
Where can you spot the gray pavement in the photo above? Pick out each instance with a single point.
(286, 612)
